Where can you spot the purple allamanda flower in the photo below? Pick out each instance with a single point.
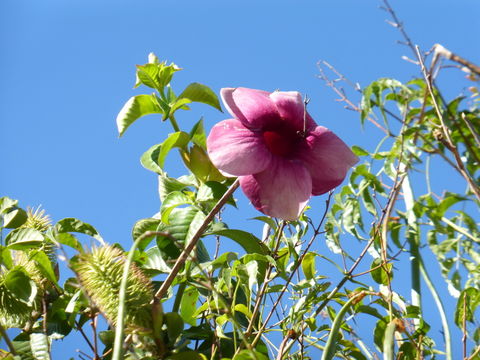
(281, 156)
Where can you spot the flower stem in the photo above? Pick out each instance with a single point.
(120, 324)
(174, 123)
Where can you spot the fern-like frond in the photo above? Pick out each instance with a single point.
(100, 274)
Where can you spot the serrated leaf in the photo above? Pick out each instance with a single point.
(250, 243)
(136, 107)
(196, 92)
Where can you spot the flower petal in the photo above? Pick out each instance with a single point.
(253, 108)
(282, 190)
(236, 150)
(327, 158)
(291, 108)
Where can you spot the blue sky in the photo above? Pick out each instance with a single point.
(67, 67)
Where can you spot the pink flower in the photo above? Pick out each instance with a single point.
(277, 150)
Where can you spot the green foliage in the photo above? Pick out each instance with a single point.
(224, 302)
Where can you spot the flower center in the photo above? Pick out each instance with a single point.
(279, 143)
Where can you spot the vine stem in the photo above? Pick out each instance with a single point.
(191, 245)
(441, 310)
(120, 323)
(7, 340)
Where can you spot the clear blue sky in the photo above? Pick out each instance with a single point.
(67, 67)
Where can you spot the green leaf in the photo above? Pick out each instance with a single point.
(179, 140)
(467, 303)
(150, 157)
(6, 204)
(74, 225)
(69, 240)
(155, 75)
(14, 218)
(212, 191)
(174, 199)
(24, 239)
(381, 274)
(197, 134)
(188, 305)
(199, 163)
(45, 265)
(141, 227)
(357, 150)
(308, 265)
(18, 282)
(155, 261)
(39, 345)
(175, 325)
(136, 107)
(250, 243)
(196, 92)
(184, 223)
(167, 185)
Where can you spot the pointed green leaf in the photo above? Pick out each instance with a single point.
(150, 157)
(308, 265)
(45, 265)
(249, 242)
(198, 136)
(74, 225)
(134, 108)
(179, 140)
(188, 305)
(173, 200)
(196, 92)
